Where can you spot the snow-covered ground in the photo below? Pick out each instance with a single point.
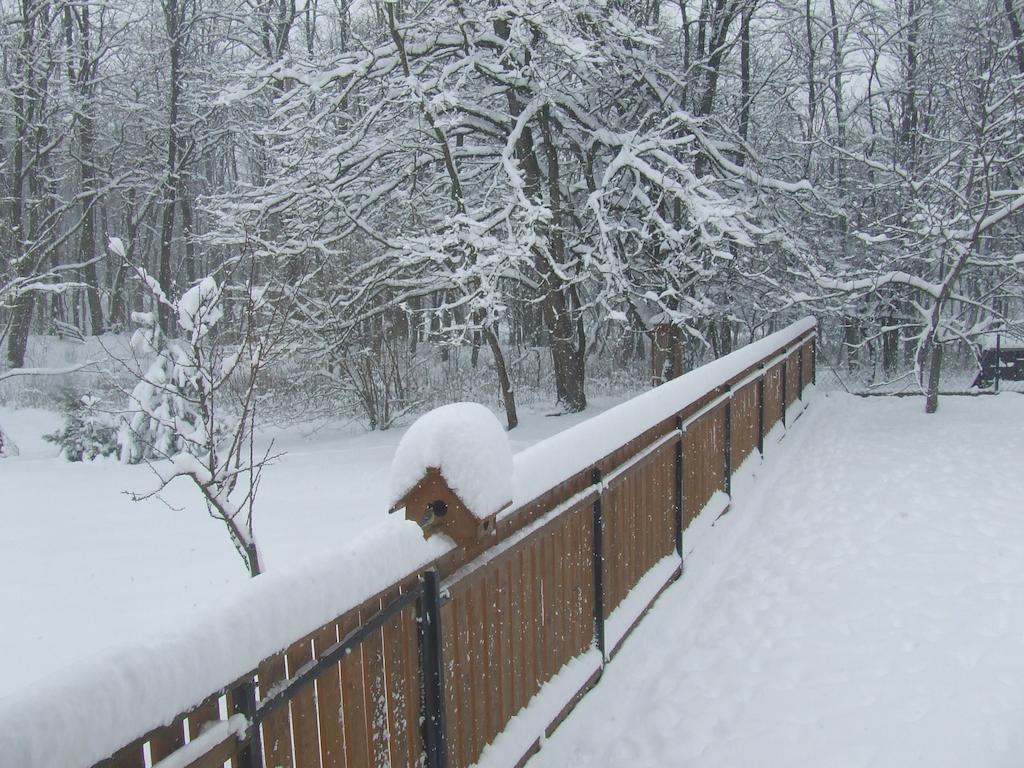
(83, 568)
(861, 605)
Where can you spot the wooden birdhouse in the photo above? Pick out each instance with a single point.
(438, 509)
(453, 473)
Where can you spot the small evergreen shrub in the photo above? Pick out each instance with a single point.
(89, 430)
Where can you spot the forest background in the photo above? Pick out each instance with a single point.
(370, 208)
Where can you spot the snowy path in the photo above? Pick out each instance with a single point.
(863, 605)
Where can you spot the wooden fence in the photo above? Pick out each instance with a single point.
(432, 670)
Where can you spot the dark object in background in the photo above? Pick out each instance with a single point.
(1004, 362)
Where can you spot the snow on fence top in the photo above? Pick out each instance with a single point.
(547, 463)
(82, 714)
(468, 445)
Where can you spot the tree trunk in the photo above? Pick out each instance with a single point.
(22, 97)
(474, 353)
(87, 241)
(890, 346)
(666, 353)
(931, 404)
(508, 395)
(812, 99)
(1013, 19)
(174, 17)
(568, 346)
(850, 339)
(81, 70)
(21, 324)
(191, 260)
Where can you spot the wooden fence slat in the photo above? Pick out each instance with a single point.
(303, 709)
(277, 738)
(207, 712)
(231, 708)
(642, 493)
(353, 702)
(516, 621)
(493, 670)
(534, 557)
(474, 658)
(650, 512)
(224, 751)
(627, 535)
(167, 739)
(508, 672)
(637, 494)
(131, 756)
(625, 543)
(411, 695)
(645, 488)
(628, 532)
(586, 577)
(557, 553)
(490, 671)
(328, 695)
(572, 583)
(611, 541)
(398, 723)
(614, 535)
(551, 640)
(659, 531)
(581, 639)
(451, 682)
(464, 664)
(474, 677)
(668, 527)
(374, 685)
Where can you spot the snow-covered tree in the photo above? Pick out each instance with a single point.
(193, 410)
(938, 237)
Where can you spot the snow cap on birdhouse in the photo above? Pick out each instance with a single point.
(452, 472)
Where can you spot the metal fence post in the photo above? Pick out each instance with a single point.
(243, 697)
(598, 563)
(679, 487)
(432, 671)
(760, 412)
(728, 441)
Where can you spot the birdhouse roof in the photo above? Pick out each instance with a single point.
(468, 446)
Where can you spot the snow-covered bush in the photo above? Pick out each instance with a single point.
(90, 429)
(163, 415)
